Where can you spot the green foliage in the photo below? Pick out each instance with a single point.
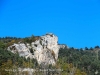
(30, 39)
(71, 61)
(2, 45)
(91, 48)
(97, 47)
(86, 48)
(85, 60)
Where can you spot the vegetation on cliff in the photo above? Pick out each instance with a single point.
(70, 61)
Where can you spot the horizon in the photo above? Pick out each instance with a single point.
(58, 43)
(75, 23)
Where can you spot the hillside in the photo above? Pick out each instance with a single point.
(85, 60)
(70, 61)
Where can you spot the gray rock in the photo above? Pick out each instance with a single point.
(45, 49)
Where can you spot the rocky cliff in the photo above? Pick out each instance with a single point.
(44, 50)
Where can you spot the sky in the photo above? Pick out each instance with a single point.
(75, 22)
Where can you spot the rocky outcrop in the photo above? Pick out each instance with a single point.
(45, 49)
(62, 46)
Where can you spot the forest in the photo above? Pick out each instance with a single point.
(71, 61)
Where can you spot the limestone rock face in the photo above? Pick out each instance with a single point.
(63, 46)
(45, 49)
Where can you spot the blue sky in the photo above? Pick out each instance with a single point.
(75, 22)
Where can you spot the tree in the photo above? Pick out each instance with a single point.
(2, 45)
(97, 47)
(33, 38)
(81, 49)
(86, 48)
(91, 48)
(6, 68)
